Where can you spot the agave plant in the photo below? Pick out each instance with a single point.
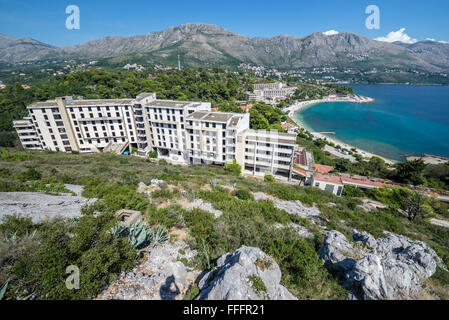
(117, 230)
(14, 238)
(3, 289)
(160, 236)
(139, 235)
(214, 183)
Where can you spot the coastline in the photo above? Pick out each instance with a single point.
(353, 99)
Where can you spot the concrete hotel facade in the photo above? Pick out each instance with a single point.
(182, 132)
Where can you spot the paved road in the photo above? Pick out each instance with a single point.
(334, 151)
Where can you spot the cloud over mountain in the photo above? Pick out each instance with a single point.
(399, 35)
(330, 32)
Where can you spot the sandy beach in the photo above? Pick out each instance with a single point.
(354, 99)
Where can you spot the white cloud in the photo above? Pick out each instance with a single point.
(441, 41)
(397, 36)
(330, 32)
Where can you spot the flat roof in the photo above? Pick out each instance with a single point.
(87, 103)
(168, 103)
(278, 141)
(218, 116)
(198, 115)
(215, 116)
(235, 121)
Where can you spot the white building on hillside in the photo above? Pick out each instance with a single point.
(182, 132)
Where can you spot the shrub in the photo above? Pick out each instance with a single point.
(31, 174)
(269, 178)
(244, 194)
(192, 293)
(165, 194)
(257, 284)
(351, 191)
(152, 154)
(233, 168)
(89, 246)
(13, 224)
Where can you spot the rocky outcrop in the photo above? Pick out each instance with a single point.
(162, 275)
(246, 274)
(206, 206)
(292, 207)
(391, 268)
(40, 206)
(297, 208)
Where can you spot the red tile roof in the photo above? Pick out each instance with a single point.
(320, 168)
(214, 109)
(364, 181)
(327, 178)
(287, 126)
(300, 157)
(247, 107)
(300, 171)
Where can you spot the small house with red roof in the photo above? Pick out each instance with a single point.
(290, 128)
(321, 168)
(328, 182)
(247, 107)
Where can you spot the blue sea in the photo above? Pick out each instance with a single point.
(404, 119)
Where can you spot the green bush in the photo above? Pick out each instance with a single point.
(244, 194)
(233, 168)
(89, 246)
(269, 178)
(351, 191)
(31, 174)
(192, 293)
(165, 194)
(152, 154)
(13, 224)
(172, 216)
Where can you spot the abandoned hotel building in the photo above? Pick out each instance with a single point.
(182, 132)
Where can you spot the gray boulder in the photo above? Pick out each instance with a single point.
(235, 276)
(365, 238)
(394, 269)
(336, 253)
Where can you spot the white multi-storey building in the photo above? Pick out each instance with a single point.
(182, 132)
(270, 91)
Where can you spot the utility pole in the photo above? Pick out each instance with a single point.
(179, 63)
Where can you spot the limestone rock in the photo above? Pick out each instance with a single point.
(160, 276)
(232, 280)
(206, 206)
(393, 269)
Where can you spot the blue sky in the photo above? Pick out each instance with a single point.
(44, 20)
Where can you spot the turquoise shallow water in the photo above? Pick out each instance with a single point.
(402, 120)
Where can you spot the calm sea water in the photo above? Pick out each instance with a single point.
(403, 120)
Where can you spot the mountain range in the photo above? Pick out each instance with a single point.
(205, 44)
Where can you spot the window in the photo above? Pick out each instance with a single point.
(340, 189)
